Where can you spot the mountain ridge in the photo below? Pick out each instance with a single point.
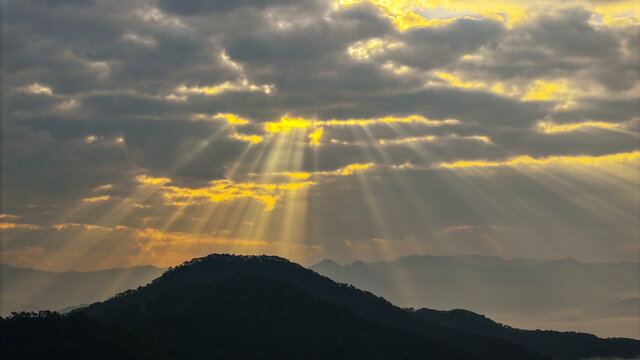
(562, 294)
(219, 293)
(366, 304)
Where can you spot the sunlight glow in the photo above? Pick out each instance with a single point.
(254, 139)
(5, 226)
(286, 124)
(314, 137)
(562, 91)
(232, 119)
(546, 90)
(222, 191)
(227, 86)
(408, 14)
(37, 88)
(549, 127)
(364, 50)
(152, 180)
(96, 199)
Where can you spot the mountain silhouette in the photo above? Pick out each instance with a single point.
(236, 318)
(218, 267)
(559, 345)
(238, 307)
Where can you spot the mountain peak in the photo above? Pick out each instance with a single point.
(358, 264)
(235, 258)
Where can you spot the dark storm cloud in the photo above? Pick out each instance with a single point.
(319, 37)
(430, 48)
(600, 109)
(569, 34)
(75, 50)
(22, 101)
(44, 174)
(592, 142)
(157, 145)
(203, 7)
(443, 103)
(563, 44)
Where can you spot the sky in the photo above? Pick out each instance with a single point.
(155, 131)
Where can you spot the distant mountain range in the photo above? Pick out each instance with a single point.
(265, 307)
(535, 292)
(24, 289)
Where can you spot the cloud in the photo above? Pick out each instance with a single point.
(6, 226)
(222, 191)
(96, 199)
(199, 7)
(561, 160)
(324, 123)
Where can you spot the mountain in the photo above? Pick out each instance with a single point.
(531, 293)
(24, 289)
(247, 317)
(217, 267)
(227, 307)
(224, 306)
(560, 345)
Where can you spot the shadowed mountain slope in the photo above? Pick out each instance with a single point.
(560, 345)
(218, 267)
(263, 307)
(246, 317)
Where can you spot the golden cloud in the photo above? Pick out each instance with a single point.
(37, 88)
(6, 226)
(407, 14)
(549, 127)
(563, 91)
(103, 188)
(314, 137)
(551, 160)
(254, 139)
(315, 128)
(227, 86)
(232, 119)
(222, 191)
(343, 171)
(96, 199)
(411, 139)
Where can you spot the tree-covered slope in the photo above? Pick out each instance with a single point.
(246, 317)
(218, 267)
(560, 345)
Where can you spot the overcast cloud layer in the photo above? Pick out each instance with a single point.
(150, 132)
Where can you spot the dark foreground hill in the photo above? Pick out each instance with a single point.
(218, 267)
(224, 306)
(562, 345)
(228, 307)
(247, 317)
